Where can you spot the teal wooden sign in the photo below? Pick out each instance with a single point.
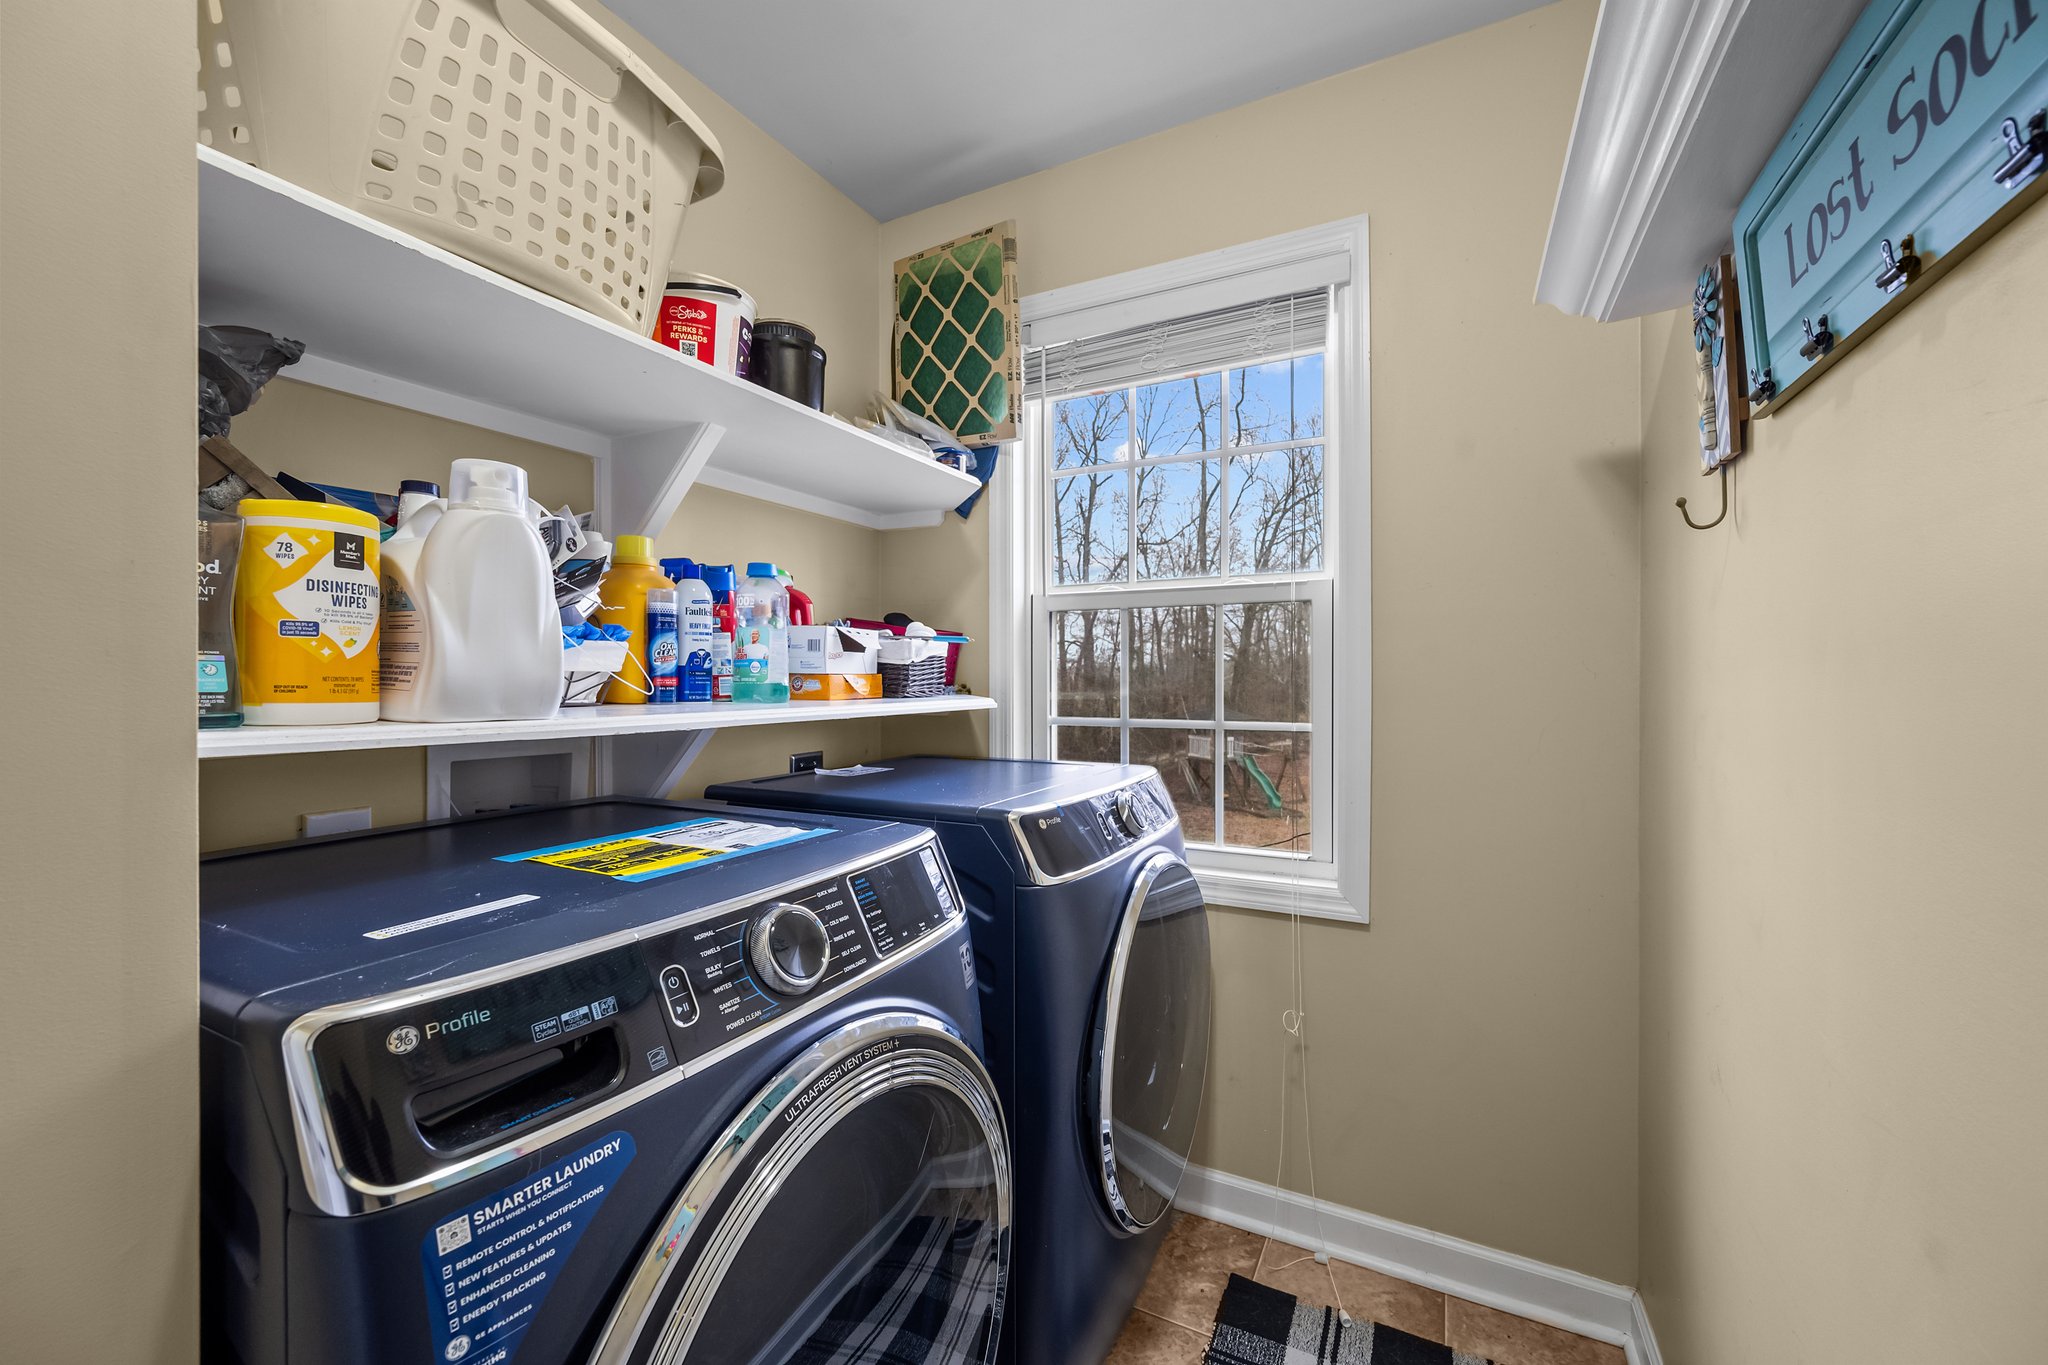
(1926, 133)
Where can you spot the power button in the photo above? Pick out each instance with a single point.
(682, 1002)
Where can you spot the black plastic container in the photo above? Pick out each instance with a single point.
(786, 358)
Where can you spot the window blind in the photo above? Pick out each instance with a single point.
(1204, 341)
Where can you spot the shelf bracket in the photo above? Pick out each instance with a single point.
(651, 765)
(644, 478)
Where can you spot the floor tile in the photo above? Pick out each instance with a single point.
(1198, 1259)
(1368, 1294)
(1509, 1340)
(1294, 1269)
(1147, 1340)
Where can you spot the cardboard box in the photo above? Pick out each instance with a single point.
(834, 686)
(834, 650)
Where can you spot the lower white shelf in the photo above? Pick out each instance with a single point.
(582, 722)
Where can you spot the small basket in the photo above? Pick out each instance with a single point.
(520, 134)
(914, 667)
(588, 666)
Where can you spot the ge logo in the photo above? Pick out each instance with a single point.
(458, 1347)
(400, 1041)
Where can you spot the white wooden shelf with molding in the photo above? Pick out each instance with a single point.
(387, 316)
(652, 745)
(1681, 107)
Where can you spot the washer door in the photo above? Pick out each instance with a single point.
(1152, 1042)
(857, 1211)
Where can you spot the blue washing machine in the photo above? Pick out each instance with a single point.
(620, 1082)
(1092, 943)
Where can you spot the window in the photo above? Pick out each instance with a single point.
(1184, 573)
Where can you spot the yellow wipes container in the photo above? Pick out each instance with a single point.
(306, 607)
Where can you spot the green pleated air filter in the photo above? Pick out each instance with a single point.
(959, 358)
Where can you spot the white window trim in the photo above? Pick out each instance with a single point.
(1220, 279)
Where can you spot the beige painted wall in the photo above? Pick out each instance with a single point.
(99, 1131)
(1845, 791)
(1475, 1050)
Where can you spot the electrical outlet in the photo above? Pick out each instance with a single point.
(315, 823)
(807, 762)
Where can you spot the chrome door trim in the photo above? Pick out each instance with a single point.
(334, 1190)
(1105, 1061)
(954, 1069)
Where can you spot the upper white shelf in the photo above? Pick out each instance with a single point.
(393, 318)
(578, 722)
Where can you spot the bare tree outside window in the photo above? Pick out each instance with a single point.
(1178, 489)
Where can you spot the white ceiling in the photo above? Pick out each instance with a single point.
(862, 91)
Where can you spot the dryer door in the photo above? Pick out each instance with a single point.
(1152, 1043)
(857, 1211)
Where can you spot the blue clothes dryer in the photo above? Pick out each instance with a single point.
(618, 1083)
(1092, 947)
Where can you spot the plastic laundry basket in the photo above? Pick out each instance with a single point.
(521, 134)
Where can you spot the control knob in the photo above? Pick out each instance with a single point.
(1128, 818)
(790, 948)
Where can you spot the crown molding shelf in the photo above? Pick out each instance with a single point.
(1681, 106)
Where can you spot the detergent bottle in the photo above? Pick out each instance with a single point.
(760, 642)
(623, 602)
(483, 598)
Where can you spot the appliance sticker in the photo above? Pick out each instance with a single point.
(491, 1266)
(661, 850)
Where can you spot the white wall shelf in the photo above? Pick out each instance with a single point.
(389, 317)
(585, 722)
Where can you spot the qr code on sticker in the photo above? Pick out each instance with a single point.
(452, 1235)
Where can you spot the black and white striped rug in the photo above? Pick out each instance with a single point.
(1256, 1325)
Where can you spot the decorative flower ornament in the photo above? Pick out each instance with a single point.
(1706, 316)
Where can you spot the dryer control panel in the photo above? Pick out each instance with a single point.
(1068, 839)
(404, 1092)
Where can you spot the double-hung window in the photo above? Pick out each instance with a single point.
(1188, 574)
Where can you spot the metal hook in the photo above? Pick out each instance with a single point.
(1708, 525)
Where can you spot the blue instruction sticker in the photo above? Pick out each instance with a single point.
(489, 1267)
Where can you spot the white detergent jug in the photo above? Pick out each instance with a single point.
(489, 634)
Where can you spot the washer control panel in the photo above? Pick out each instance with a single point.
(724, 976)
(1063, 840)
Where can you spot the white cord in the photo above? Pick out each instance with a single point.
(1294, 1038)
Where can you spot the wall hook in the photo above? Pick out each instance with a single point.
(1708, 525)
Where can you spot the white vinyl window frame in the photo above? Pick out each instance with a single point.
(1333, 881)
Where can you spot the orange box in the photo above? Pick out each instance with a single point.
(834, 686)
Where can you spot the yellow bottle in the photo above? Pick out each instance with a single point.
(623, 598)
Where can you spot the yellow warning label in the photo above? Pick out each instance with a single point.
(630, 857)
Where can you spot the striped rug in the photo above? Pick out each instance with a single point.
(1257, 1325)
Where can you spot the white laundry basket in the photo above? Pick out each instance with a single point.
(521, 134)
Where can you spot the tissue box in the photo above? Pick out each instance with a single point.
(834, 650)
(834, 663)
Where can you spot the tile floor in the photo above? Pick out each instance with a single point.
(1177, 1308)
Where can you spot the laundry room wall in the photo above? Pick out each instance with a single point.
(1843, 846)
(99, 1133)
(1474, 1051)
(805, 251)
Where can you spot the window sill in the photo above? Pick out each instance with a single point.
(1309, 897)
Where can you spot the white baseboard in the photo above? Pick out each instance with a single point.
(1499, 1279)
(1642, 1342)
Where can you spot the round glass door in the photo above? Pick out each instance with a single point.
(857, 1213)
(1153, 1053)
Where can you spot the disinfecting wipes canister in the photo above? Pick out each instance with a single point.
(306, 607)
